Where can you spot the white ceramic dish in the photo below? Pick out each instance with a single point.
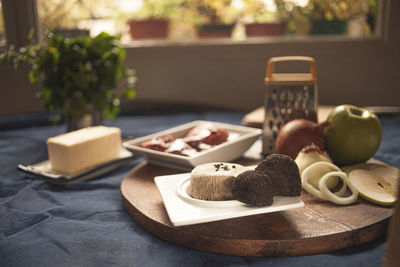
(182, 209)
(228, 151)
(42, 170)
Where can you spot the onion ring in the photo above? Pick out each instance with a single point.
(314, 191)
(331, 196)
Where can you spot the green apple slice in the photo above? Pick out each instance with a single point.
(370, 165)
(377, 185)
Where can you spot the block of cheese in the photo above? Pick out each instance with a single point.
(213, 181)
(76, 151)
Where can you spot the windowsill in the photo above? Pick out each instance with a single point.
(150, 43)
(249, 41)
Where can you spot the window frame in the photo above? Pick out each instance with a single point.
(191, 72)
(22, 16)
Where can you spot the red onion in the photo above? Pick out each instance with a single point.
(298, 133)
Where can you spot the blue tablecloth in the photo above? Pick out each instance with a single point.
(85, 224)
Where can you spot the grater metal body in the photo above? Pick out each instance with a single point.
(288, 97)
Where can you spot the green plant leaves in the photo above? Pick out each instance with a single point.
(77, 74)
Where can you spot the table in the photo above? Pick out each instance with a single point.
(85, 224)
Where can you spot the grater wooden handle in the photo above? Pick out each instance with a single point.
(273, 60)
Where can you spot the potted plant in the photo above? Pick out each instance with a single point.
(259, 21)
(372, 13)
(153, 19)
(212, 18)
(296, 17)
(331, 17)
(79, 75)
(63, 17)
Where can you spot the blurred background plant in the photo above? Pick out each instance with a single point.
(263, 18)
(186, 15)
(61, 14)
(211, 11)
(296, 15)
(258, 11)
(79, 76)
(334, 16)
(336, 9)
(372, 13)
(211, 18)
(158, 9)
(153, 19)
(326, 17)
(75, 17)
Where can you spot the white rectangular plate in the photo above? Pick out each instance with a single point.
(184, 210)
(228, 151)
(42, 170)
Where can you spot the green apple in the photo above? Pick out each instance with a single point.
(355, 135)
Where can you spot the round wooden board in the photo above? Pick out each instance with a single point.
(318, 227)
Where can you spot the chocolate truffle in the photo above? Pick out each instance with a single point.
(276, 175)
(285, 173)
(254, 188)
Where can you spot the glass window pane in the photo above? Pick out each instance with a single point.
(320, 17)
(198, 19)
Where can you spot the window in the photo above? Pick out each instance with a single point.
(359, 69)
(184, 20)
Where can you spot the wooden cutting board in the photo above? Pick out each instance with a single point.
(255, 118)
(318, 227)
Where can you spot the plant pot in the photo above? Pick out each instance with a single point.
(214, 30)
(149, 29)
(71, 33)
(76, 123)
(371, 21)
(328, 26)
(265, 29)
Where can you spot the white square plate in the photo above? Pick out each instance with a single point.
(226, 152)
(182, 209)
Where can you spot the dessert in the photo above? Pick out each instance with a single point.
(285, 173)
(213, 181)
(276, 175)
(76, 151)
(255, 188)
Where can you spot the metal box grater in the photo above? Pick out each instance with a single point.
(288, 96)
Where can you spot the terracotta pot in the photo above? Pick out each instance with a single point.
(215, 30)
(265, 29)
(149, 29)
